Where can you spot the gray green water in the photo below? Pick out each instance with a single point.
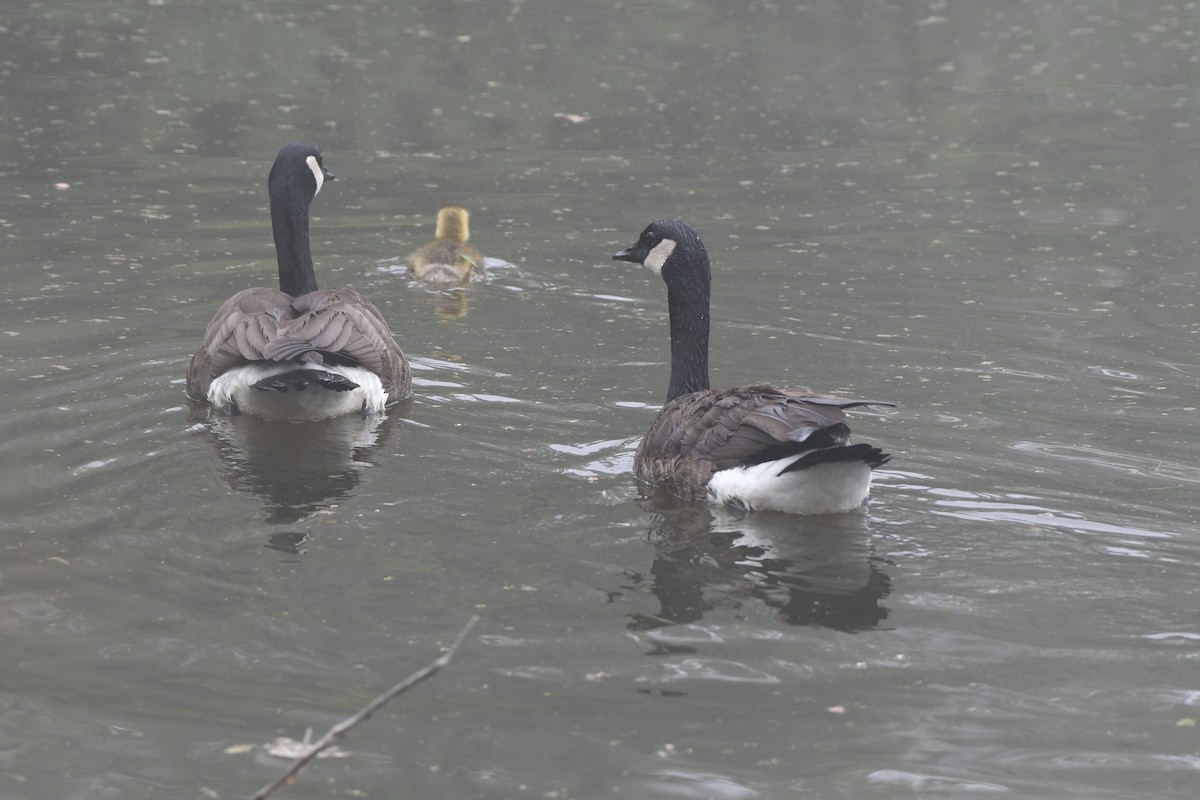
(984, 210)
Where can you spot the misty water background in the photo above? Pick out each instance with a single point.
(986, 211)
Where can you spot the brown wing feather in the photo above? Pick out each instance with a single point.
(698, 434)
(338, 325)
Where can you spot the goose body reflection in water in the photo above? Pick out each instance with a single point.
(811, 570)
(298, 468)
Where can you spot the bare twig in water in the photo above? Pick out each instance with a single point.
(334, 734)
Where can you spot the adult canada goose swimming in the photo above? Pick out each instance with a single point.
(448, 258)
(784, 448)
(298, 352)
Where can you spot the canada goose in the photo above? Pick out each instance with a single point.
(448, 258)
(784, 448)
(298, 352)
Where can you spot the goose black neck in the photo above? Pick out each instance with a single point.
(688, 302)
(289, 222)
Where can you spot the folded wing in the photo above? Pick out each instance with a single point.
(698, 434)
(328, 326)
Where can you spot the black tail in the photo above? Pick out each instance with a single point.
(300, 379)
(869, 454)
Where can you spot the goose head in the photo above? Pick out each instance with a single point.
(670, 249)
(298, 173)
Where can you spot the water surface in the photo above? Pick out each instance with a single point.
(983, 211)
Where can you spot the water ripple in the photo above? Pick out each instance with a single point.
(689, 783)
(716, 669)
(1110, 460)
(1000, 512)
(931, 783)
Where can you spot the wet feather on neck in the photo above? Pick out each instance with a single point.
(688, 301)
(289, 223)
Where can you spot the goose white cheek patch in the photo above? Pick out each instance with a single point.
(317, 172)
(659, 255)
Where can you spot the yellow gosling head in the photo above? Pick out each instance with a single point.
(452, 223)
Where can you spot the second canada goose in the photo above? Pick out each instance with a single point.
(298, 352)
(782, 448)
(448, 258)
